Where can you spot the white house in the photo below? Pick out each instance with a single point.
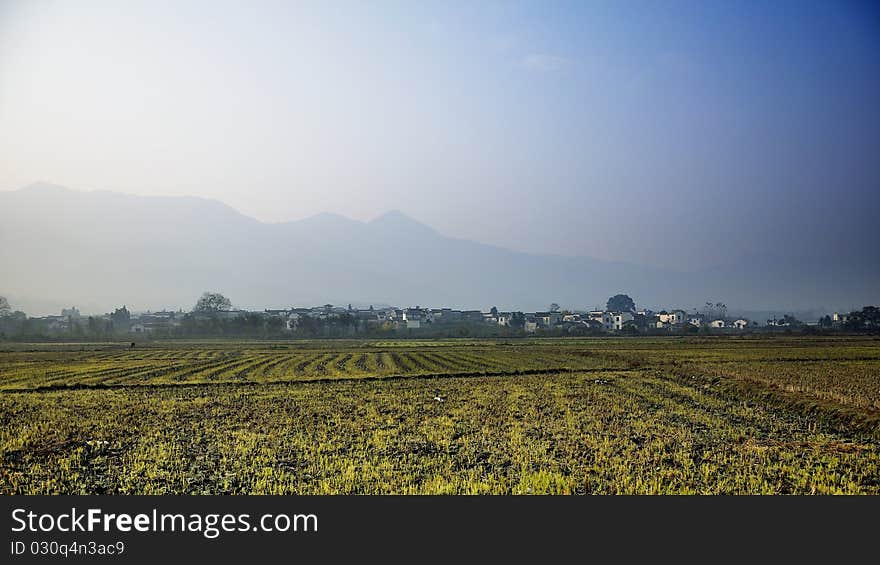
(414, 317)
(616, 320)
(673, 317)
(548, 319)
(717, 324)
(741, 324)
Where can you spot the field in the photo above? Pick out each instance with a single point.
(586, 416)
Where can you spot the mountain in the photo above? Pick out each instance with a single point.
(99, 250)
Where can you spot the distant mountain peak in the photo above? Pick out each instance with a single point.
(398, 221)
(46, 191)
(393, 213)
(45, 187)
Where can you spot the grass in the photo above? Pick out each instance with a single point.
(683, 415)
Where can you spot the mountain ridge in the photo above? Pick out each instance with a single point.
(101, 249)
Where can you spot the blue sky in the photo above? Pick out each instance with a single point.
(690, 133)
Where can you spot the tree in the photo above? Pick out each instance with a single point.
(5, 308)
(494, 312)
(517, 320)
(709, 311)
(212, 302)
(867, 319)
(789, 320)
(715, 311)
(620, 303)
(95, 326)
(554, 307)
(121, 319)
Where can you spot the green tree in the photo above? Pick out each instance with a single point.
(620, 303)
(791, 321)
(5, 308)
(121, 318)
(517, 320)
(212, 302)
(867, 319)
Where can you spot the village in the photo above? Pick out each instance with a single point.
(417, 320)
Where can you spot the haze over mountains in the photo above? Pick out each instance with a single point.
(99, 250)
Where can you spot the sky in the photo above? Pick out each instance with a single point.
(656, 133)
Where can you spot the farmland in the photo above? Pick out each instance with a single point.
(586, 416)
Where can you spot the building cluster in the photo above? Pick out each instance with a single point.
(120, 320)
(414, 318)
(68, 317)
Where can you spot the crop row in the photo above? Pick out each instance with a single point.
(260, 365)
(613, 432)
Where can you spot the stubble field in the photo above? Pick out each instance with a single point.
(676, 415)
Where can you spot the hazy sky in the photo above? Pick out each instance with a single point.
(652, 132)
